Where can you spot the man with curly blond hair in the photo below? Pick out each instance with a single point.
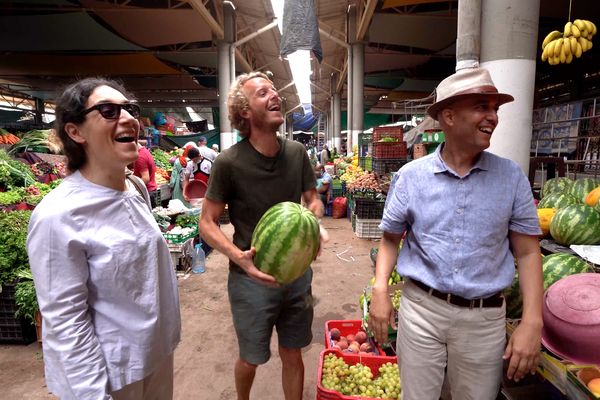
(250, 177)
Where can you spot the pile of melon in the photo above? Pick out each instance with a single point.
(569, 210)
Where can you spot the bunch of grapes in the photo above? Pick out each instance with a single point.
(388, 381)
(396, 299)
(357, 380)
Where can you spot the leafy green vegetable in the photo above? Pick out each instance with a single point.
(25, 296)
(13, 236)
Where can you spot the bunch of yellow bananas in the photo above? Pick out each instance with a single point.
(561, 47)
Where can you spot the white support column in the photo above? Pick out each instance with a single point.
(226, 65)
(468, 38)
(358, 59)
(351, 38)
(508, 51)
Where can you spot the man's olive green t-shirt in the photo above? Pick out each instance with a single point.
(250, 183)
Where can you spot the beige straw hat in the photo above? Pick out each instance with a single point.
(466, 82)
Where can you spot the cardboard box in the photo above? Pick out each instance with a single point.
(577, 378)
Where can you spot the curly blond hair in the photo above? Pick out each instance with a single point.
(237, 101)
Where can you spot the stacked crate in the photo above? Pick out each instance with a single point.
(389, 156)
(365, 151)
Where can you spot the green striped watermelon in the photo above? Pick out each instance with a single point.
(556, 185)
(576, 224)
(286, 240)
(557, 200)
(559, 265)
(582, 187)
(514, 300)
(554, 267)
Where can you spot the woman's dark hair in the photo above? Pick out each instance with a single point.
(69, 108)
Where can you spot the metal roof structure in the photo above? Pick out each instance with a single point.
(165, 50)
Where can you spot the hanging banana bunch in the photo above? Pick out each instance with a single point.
(561, 47)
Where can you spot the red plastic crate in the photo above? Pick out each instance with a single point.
(381, 132)
(373, 362)
(348, 327)
(390, 150)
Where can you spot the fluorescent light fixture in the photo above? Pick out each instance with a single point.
(299, 60)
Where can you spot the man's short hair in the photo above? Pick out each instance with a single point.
(193, 153)
(237, 101)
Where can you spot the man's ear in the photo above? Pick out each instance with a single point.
(74, 132)
(446, 116)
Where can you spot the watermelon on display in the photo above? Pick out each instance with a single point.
(554, 267)
(286, 240)
(556, 185)
(559, 265)
(557, 200)
(576, 224)
(582, 187)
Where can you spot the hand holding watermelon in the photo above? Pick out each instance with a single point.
(247, 264)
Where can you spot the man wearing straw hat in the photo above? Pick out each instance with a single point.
(467, 214)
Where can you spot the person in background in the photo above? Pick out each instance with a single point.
(205, 151)
(176, 181)
(103, 274)
(251, 176)
(323, 183)
(325, 155)
(145, 168)
(215, 148)
(468, 214)
(198, 168)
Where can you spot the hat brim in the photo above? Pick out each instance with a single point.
(435, 108)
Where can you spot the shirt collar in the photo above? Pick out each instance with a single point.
(440, 166)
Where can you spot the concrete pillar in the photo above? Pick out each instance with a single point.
(337, 120)
(226, 65)
(358, 60)
(351, 38)
(468, 39)
(289, 121)
(508, 51)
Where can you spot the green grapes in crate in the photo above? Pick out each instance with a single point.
(357, 380)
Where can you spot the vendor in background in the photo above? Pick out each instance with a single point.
(205, 151)
(103, 274)
(145, 168)
(197, 169)
(325, 155)
(323, 183)
(176, 182)
(468, 216)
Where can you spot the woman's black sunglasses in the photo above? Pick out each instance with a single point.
(113, 110)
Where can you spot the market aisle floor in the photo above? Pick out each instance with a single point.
(205, 357)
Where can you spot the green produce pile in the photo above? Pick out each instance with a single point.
(184, 221)
(14, 173)
(161, 159)
(13, 236)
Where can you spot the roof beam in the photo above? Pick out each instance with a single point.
(208, 18)
(365, 19)
(217, 30)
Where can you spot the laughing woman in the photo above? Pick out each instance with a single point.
(103, 274)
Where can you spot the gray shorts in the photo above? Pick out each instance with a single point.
(256, 308)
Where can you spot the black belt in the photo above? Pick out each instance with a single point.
(495, 300)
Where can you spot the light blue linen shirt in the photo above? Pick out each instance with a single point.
(457, 228)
